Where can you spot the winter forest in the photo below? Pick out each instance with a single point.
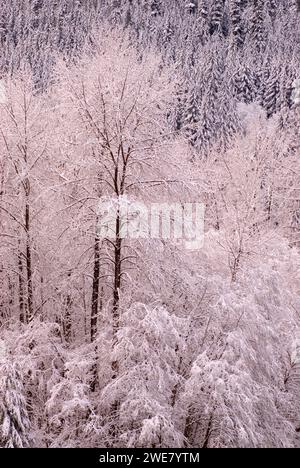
(140, 342)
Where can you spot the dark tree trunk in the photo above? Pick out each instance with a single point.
(21, 289)
(28, 265)
(67, 323)
(117, 276)
(95, 292)
(94, 381)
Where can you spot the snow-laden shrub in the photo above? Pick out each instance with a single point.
(14, 418)
(146, 358)
(236, 394)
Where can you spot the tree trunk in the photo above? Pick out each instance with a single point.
(95, 365)
(21, 289)
(95, 292)
(67, 324)
(28, 265)
(117, 276)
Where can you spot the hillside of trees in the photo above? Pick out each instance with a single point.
(114, 342)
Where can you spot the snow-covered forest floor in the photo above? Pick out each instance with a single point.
(142, 342)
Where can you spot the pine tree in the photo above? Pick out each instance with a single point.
(273, 9)
(237, 23)
(203, 10)
(271, 97)
(217, 13)
(155, 7)
(294, 6)
(258, 30)
(244, 85)
(203, 26)
(168, 32)
(212, 118)
(192, 118)
(191, 7)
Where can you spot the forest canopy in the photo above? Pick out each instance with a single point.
(109, 341)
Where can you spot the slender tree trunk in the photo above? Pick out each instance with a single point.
(28, 264)
(117, 276)
(95, 292)
(94, 381)
(95, 306)
(1, 296)
(67, 319)
(21, 289)
(42, 298)
(188, 429)
(11, 295)
(67, 323)
(269, 206)
(208, 432)
(118, 256)
(116, 313)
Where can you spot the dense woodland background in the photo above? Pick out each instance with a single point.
(141, 343)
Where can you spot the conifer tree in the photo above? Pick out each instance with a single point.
(258, 30)
(217, 13)
(271, 98)
(273, 9)
(245, 85)
(237, 22)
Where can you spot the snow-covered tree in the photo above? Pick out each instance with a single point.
(149, 345)
(14, 418)
(245, 85)
(216, 16)
(271, 98)
(257, 23)
(115, 83)
(237, 22)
